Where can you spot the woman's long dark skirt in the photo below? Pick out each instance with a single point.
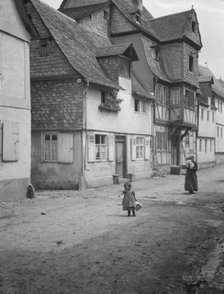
(191, 181)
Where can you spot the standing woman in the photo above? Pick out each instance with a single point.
(191, 180)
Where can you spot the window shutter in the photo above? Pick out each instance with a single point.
(10, 141)
(147, 148)
(111, 147)
(65, 148)
(133, 148)
(91, 148)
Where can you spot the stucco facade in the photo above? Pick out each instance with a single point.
(15, 117)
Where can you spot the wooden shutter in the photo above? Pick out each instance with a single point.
(10, 141)
(65, 148)
(147, 148)
(91, 148)
(133, 148)
(111, 147)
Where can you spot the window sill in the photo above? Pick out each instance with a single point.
(109, 108)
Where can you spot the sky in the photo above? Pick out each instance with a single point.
(210, 14)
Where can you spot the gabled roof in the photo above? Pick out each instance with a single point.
(80, 3)
(26, 20)
(217, 87)
(206, 79)
(169, 27)
(77, 44)
(125, 49)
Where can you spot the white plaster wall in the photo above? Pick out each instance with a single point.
(207, 128)
(21, 168)
(125, 121)
(206, 157)
(10, 20)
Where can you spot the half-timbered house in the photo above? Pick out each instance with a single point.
(167, 48)
(15, 117)
(211, 119)
(91, 115)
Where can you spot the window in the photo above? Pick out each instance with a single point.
(217, 131)
(206, 145)
(161, 140)
(193, 26)
(101, 147)
(162, 95)
(57, 147)
(50, 147)
(202, 114)
(44, 48)
(140, 142)
(200, 145)
(9, 140)
(191, 63)
(207, 114)
(213, 116)
(124, 67)
(103, 97)
(221, 106)
(210, 145)
(189, 99)
(140, 105)
(221, 132)
(175, 96)
(106, 15)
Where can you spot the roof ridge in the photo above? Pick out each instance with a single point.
(168, 15)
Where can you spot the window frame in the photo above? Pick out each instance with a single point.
(43, 149)
(127, 62)
(191, 63)
(140, 148)
(101, 146)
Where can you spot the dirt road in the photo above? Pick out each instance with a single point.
(81, 242)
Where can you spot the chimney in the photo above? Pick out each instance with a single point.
(139, 3)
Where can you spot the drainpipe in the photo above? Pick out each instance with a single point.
(153, 123)
(82, 180)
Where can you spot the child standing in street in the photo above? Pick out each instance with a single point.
(129, 199)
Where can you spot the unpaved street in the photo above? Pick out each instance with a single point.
(81, 242)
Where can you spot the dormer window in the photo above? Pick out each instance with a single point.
(106, 15)
(193, 26)
(138, 17)
(124, 67)
(191, 63)
(44, 48)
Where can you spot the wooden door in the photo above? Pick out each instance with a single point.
(120, 156)
(175, 150)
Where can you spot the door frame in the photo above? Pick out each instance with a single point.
(121, 139)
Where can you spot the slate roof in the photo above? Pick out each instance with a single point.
(169, 27)
(77, 44)
(80, 3)
(217, 87)
(138, 88)
(118, 49)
